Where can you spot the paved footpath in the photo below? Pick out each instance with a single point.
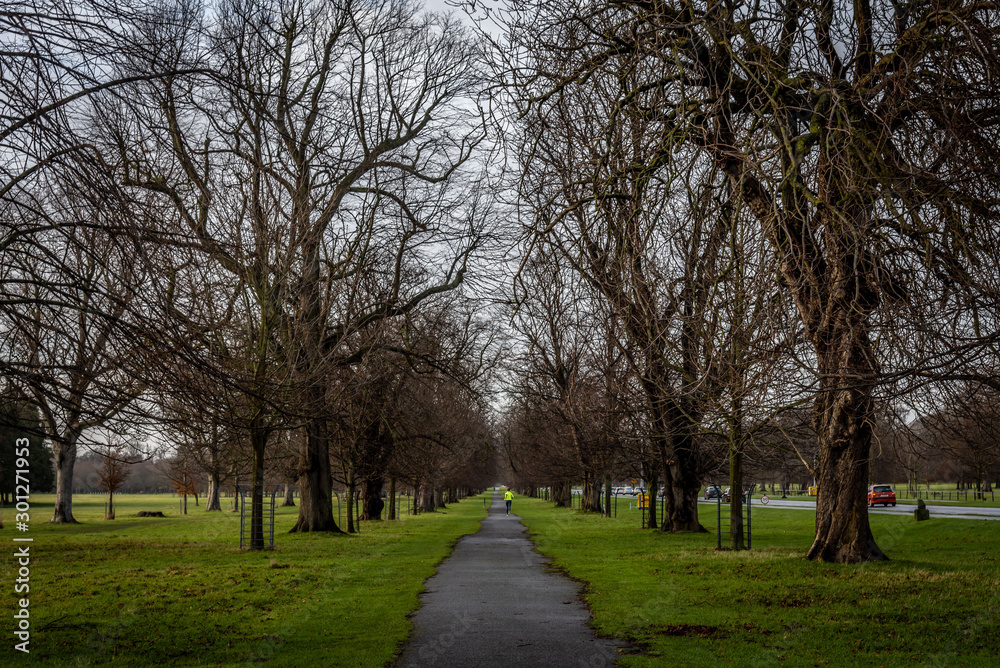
(493, 605)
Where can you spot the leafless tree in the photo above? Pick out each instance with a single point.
(70, 338)
(323, 184)
(859, 136)
(115, 469)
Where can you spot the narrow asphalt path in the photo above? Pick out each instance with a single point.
(492, 604)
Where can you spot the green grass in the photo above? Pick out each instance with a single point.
(178, 591)
(935, 603)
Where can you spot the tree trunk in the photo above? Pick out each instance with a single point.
(669, 500)
(559, 494)
(439, 499)
(371, 498)
(652, 477)
(833, 280)
(110, 514)
(212, 499)
(685, 482)
(427, 499)
(184, 504)
(258, 445)
(290, 498)
(736, 487)
(843, 423)
(350, 492)
(654, 490)
(392, 499)
(65, 459)
(591, 492)
(315, 497)
(607, 494)
(676, 446)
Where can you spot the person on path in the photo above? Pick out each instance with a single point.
(508, 497)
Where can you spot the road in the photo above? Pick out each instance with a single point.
(937, 510)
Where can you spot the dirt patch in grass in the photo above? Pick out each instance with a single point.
(689, 630)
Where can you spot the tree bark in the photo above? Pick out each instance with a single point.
(290, 498)
(652, 477)
(371, 498)
(65, 460)
(676, 447)
(315, 484)
(654, 490)
(212, 499)
(258, 445)
(392, 499)
(591, 492)
(607, 494)
(559, 494)
(683, 465)
(843, 422)
(427, 499)
(350, 492)
(736, 487)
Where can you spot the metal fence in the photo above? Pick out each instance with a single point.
(264, 520)
(952, 495)
(726, 527)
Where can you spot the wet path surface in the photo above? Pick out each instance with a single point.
(493, 604)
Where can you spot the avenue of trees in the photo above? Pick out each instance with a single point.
(365, 247)
(770, 203)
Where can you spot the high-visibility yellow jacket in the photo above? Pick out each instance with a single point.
(507, 496)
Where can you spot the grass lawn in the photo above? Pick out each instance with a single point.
(178, 591)
(935, 603)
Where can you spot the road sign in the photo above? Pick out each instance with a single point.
(764, 500)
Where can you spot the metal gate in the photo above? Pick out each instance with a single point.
(265, 521)
(724, 528)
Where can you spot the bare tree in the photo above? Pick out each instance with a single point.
(115, 469)
(310, 181)
(830, 125)
(67, 335)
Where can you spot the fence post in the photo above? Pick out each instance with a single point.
(718, 521)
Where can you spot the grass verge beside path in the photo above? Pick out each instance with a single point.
(178, 591)
(935, 603)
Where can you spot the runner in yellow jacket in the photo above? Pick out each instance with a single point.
(508, 497)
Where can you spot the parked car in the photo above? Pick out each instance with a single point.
(713, 492)
(881, 494)
(726, 498)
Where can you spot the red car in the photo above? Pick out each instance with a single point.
(881, 494)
